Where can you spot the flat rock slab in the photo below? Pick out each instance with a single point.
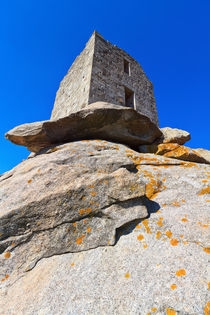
(173, 135)
(158, 264)
(177, 151)
(98, 121)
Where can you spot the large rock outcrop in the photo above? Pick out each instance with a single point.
(99, 120)
(93, 227)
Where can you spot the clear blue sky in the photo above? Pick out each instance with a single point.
(40, 40)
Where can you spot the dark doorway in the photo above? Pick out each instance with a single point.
(129, 98)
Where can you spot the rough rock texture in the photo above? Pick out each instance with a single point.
(99, 121)
(204, 153)
(172, 135)
(155, 265)
(176, 151)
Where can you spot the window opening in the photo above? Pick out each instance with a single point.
(129, 98)
(126, 67)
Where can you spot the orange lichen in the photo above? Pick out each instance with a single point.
(93, 193)
(207, 250)
(88, 229)
(204, 191)
(181, 272)
(164, 205)
(207, 308)
(184, 220)
(72, 264)
(158, 235)
(209, 285)
(185, 243)
(160, 223)
(170, 311)
(80, 239)
(138, 226)
(83, 198)
(85, 221)
(7, 255)
(91, 186)
(145, 245)
(29, 181)
(140, 237)
(183, 200)
(74, 224)
(181, 235)
(145, 223)
(154, 309)
(174, 242)
(169, 234)
(173, 286)
(204, 181)
(127, 275)
(176, 204)
(153, 188)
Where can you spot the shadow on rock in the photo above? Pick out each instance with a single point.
(128, 228)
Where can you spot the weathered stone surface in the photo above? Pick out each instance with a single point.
(69, 199)
(157, 265)
(204, 153)
(99, 121)
(98, 74)
(176, 151)
(173, 135)
(169, 135)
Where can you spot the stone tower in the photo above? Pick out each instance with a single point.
(104, 72)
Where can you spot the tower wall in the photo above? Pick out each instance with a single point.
(109, 79)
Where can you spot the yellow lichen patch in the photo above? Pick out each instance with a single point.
(153, 188)
(207, 250)
(176, 204)
(173, 286)
(145, 223)
(169, 234)
(204, 191)
(164, 205)
(88, 229)
(154, 309)
(185, 243)
(91, 186)
(181, 272)
(7, 255)
(158, 235)
(170, 311)
(93, 193)
(184, 220)
(140, 237)
(145, 246)
(160, 223)
(127, 275)
(81, 211)
(174, 242)
(207, 308)
(80, 239)
(29, 181)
